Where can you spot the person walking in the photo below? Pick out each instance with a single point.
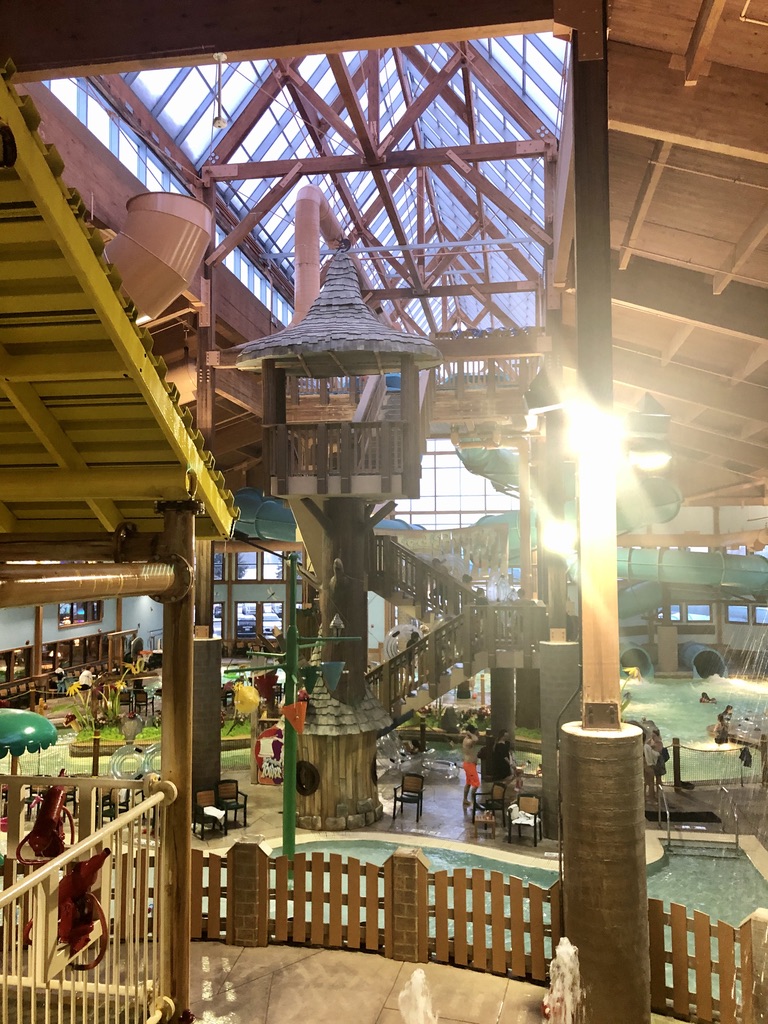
(469, 750)
(650, 760)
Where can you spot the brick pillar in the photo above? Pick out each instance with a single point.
(242, 892)
(408, 906)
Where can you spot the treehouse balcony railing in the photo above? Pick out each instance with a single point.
(85, 941)
(363, 459)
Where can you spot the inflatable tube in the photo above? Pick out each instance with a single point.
(127, 762)
(633, 656)
(702, 660)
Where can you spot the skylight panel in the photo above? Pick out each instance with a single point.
(150, 85)
(190, 97)
(547, 109)
(198, 141)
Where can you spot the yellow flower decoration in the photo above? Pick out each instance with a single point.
(74, 689)
(246, 698)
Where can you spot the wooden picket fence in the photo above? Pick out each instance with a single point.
(699, 969)
(484, 920)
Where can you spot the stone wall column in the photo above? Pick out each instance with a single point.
(242, 889)
(408, 905)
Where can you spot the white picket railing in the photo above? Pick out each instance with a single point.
(41, 982)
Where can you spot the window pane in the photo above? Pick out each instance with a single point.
(273, 566)
(218, 565)
(674, 613)
(699, 613)
(761, 615)
(273, 618)
(246, 619)
(218, 618)
(738, 613)
(247, 565)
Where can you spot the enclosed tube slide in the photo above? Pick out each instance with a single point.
(636, 656)
(744, 575)
(703, 661)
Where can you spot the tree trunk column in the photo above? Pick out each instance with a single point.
(345, 591)
(178, 675)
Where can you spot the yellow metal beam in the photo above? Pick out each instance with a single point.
(45, 427)
(74, 239)
(66, 366)
(28, 485)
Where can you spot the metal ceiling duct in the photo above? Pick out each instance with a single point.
(160, 248)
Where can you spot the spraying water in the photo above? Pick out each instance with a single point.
(415, 1001)
(562, 1003)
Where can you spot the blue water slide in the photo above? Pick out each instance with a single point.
(703, 661)
(263, 518)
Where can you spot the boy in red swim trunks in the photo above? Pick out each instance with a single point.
(469, 749)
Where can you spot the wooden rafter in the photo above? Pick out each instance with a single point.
(696, 60)
(648, 186)
(742, 251)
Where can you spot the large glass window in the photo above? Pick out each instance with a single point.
(272, 618)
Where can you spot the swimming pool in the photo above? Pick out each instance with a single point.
(727, 888)
(673, 704)
(441, 858)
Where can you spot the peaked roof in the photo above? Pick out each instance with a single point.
(339, 334)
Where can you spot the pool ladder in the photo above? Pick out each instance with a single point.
(666, 813)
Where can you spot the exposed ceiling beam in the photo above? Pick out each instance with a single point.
(696, 60)
(686, 295)
(707, 117)
(416, 107)
(436, 291)
(729, 449)
(333, 164)
(742, 250)
(648, 186)
(243, 124)
(40, 34)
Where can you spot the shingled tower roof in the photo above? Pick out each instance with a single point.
(339, 335)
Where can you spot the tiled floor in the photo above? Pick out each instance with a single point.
(286, 985)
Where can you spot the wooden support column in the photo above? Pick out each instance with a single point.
(603, 833)
(204, 586)
(178, 656)
(409, 413)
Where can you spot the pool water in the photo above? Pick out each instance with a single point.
(673, 704)
(373, 851)
(727, 888)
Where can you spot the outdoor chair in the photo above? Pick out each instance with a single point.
(229, 798)
(525, 813)
(410, 791)
(140, 701)
(205, 812)
(490, 801)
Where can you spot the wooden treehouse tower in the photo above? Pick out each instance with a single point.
(359, 445)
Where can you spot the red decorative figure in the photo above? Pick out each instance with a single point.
(47, 836)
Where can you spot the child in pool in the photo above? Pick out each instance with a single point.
(706, 699)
